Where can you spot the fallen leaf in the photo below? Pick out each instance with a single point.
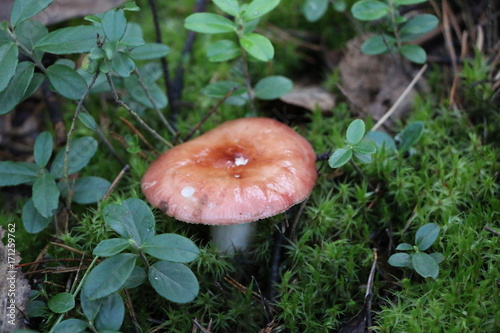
(310, 97)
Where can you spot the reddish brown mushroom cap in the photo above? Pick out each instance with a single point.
(241, 171)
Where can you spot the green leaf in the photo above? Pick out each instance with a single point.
(365, 148)
(28, 33)
(123, 64)
(90, 307)
(71, 325)
(273, 87)
(132, 220)
(88, 190)
(378, 44)
(426, 236)
(24, 9)
(171, 247)
(404, 247)
(414, 53)
(381, 140)
(16, 173)
(82, 150)
(209, 23)
(35, 83)
(8, 62)
(109, 275)
(111, 313)
(339, 157)
(46, 195)
(114, 24)
(408, 2)
(131, 6)
(13, 94)
(79, 39)
(410, 135)
(136, 278)
(258, 46)
(355, 132)
(425, 265)
(230, 7)
(223, 50)
(258, 8)
(438, 257)
(61, 303)
(133, 36)
(150, 51)
(43, 149)
(369, 10)
(87, 120)
(110, 247)
(400, 260)
(173, 281)
(66, 81)
(313, 10)
(138, 94)
(219, 89)
(33, 221)
(419, 24)
(365, 158)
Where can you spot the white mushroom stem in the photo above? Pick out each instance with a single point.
(231, 238)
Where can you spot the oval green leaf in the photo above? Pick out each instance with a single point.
(273, 87)
(28, 33)
(79, 39)
(365, 158)
(136, 278)
(71, 325)
(258, 8)
(339, 157)
(46, 195)
(114, 24)
(110, 247)
(223, 50)
(209, 23)
(400, 260)
(258, 46)
(414, 53)
(139, 95)
(80, 153)
(404, 247)
(122, 64)
(365, 147)
(173, 281)
(109, 275)
(16, 173)
(87, 120)
(355, 132)
(410, 135)
(90, 189)
(369, 10)
(425, 265)
(150, 51)
(171, 247)
(382, 140)
(420, 24)
(43, 149)
(24, 9)
(313, 10)
(426, 235)
(66, 81)
(8, 62)
(378, 44)
(111, 313)
(61, 303)
(33, 222)
(15, 91)
(230, 7)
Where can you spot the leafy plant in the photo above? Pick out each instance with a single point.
(426, 265)
(245, 19)
(313, 10)
(49, 184)
(402, 142)
(356, 146)
(100, 300)
(398, 30)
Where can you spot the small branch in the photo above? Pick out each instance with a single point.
(139, 134)
(400, 99)
(113, 185)
(248, 82)
(210, 113)
(493, 231)
(135, 115)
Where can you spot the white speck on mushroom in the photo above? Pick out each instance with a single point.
(240, 160)
(187, 191)
(148, 185)
(236, 176)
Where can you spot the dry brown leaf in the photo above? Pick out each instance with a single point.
(310, 97)
(14, 288)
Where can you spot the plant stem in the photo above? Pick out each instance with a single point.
(135, 115)
(30, 54)
(248, 82)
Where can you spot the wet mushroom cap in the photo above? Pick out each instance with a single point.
(241, 171)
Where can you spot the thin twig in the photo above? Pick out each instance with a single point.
(113, 185)
(210, 113)
(248, 82)
(493, 231)
(139, 134)
(400, 99)
(69, 248)
(119, 101)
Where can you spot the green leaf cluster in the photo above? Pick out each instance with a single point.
(402, 142)
(49, 183)
(356, 146)
(399, 30)
(134, 222)
(426, 265)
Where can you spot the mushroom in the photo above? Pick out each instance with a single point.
(239, 172)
